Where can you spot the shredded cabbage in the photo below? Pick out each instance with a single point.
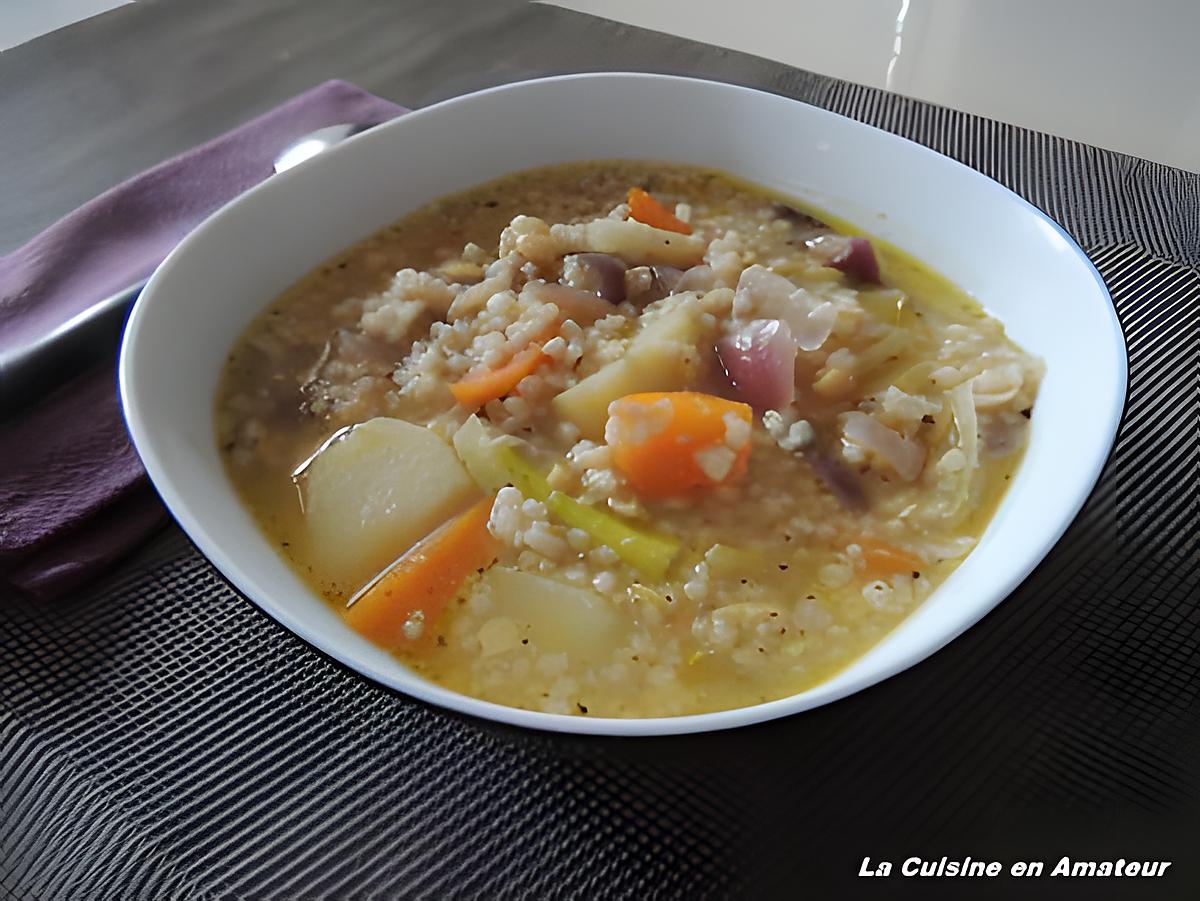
(962, 405)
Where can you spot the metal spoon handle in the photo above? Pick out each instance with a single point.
(27, 371)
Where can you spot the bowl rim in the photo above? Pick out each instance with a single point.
(428, 692)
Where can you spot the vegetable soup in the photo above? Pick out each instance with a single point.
(624, 439)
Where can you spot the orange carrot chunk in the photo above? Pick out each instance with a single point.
(400, 608)
(648, 211)
(490, 384)
(478, 388)
(885, 560)
(668, 443)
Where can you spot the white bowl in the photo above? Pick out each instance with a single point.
(1021, 265)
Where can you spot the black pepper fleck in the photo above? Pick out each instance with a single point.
(1027, 412)
(582, 709)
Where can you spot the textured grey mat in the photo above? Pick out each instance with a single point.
(159, 737)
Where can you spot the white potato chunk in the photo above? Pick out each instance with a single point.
(663, 356)
(374, 493)
(473, 443)
(554, 616)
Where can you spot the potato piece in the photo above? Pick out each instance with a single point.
(475, 442)
(663, 356)
(635, 243)
(586, 404)
(556, 617)
(374, 493)
(729, 562)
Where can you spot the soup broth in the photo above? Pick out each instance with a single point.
(624, 438)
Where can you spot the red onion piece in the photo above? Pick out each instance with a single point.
(841, 481)
(904, 455)
(581, 306)
(813, 324)
(699, 278)
(598, 273)
(646, 284)
(666, 279)
(763, 291)
(760, 361)
(857, 258)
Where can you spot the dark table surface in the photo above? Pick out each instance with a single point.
(161, 738)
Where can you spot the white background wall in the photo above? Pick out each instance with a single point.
(1122, 74)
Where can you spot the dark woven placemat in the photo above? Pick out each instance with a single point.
(159, 737)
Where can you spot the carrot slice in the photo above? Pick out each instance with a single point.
(401, 606)
(885, 560)
(477, 389)
(648, 211)
(668, 443)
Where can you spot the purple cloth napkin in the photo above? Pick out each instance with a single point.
(73, 495)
